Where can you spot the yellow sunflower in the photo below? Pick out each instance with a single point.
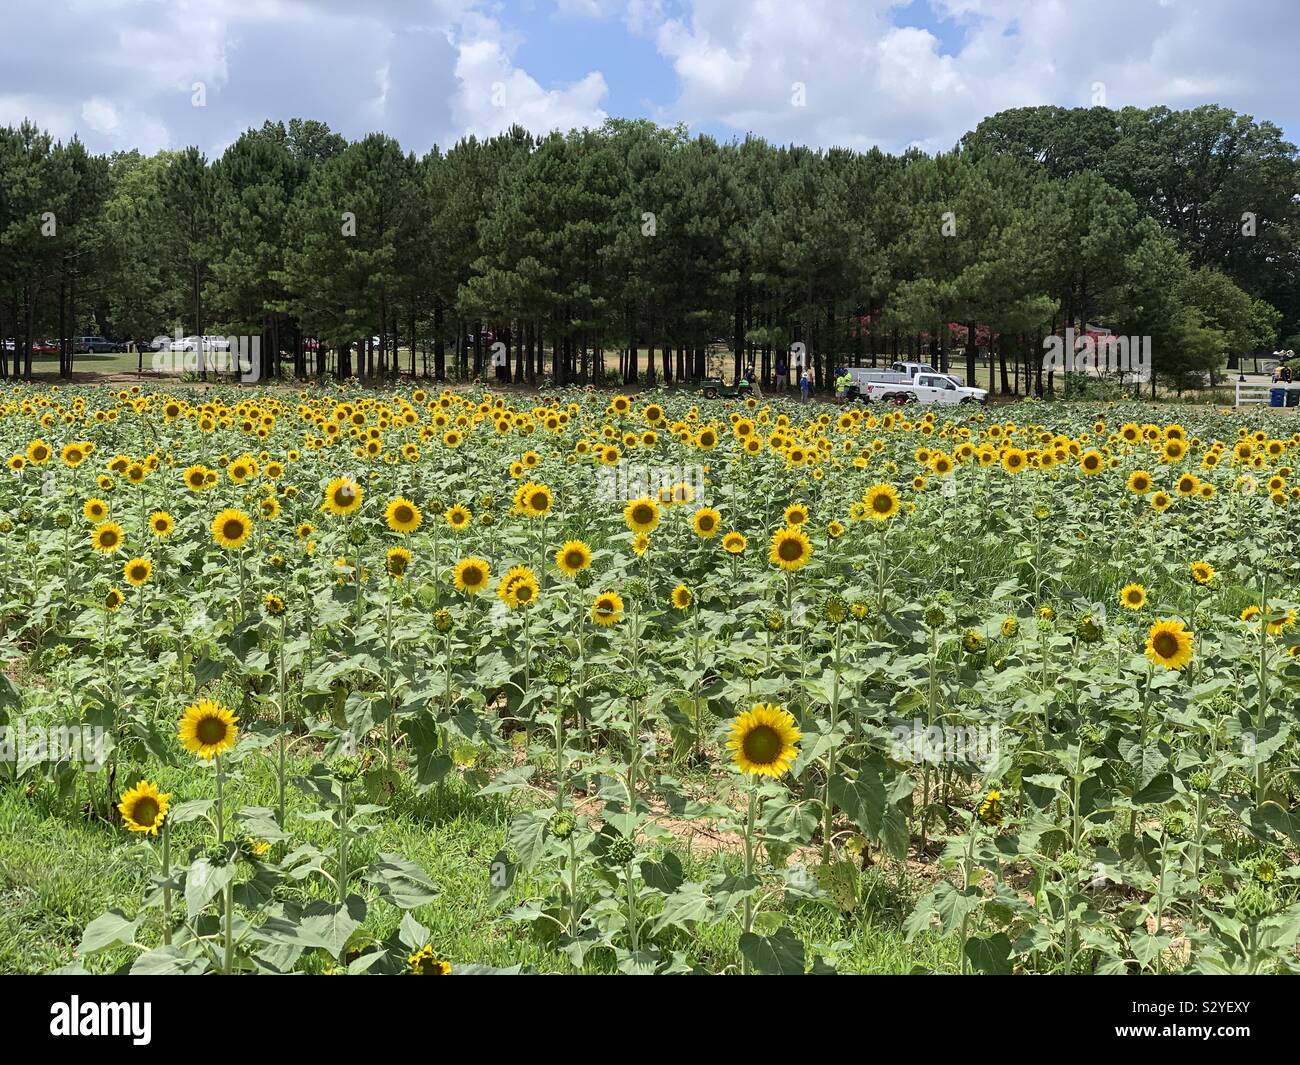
(403, 516)
(425, 963)
(1133, 596)
(682, 597)
(73, 454)
(397, 562)
(137, 571)
(607, 608)
(534, 500)
(734, 543)
(1139, 483)
(107, 537)
(197, 478)
(764, 740)
(231, 528)
(706, 522)
(144, 807)
(471, 575)
(573, 558)
(1169, 644)
(1202, 572)
(881, 501)
(342, 496)
(519, 587)
(208, 729)
(641, 515)
(95, 510)
(162, 524)
(458, 517)
(789, 549)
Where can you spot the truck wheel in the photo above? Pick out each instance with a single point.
(710, 393)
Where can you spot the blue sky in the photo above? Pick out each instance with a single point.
(893, 73)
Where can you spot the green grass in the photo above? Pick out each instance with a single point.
(47, 366)
(59, 870)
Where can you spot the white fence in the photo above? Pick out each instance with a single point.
(1253, 392)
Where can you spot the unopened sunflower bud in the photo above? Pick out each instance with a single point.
(835, 609)
(345, 770)
(622, 850)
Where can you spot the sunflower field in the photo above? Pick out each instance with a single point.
(453, 682)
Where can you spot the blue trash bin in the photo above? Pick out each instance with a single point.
(1277, 397)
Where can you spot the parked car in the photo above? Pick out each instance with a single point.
(912, 368)
(924, 388)
(96, 345)
(195, 343)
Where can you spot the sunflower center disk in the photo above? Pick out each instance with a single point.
(762, 745)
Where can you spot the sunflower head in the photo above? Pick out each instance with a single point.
(137, 571)
(764, 740)
(231, 528)
(641, 515)
(790, 549)
(208, 729)
(573, 557)
(397, 562)
(881, 501)
(471, 575)
(1133, 596)
(144, 808)
(706, 522)
(343, 496)
(1169, 644)
(106, 537)
(403, 516)
(425, 963)
(734, 543)
(990, 808)
(519, 587)
(682, 597)
(607, 608)
(458, 517)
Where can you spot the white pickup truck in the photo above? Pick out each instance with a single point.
(911, 382)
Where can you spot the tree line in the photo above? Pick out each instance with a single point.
(357, 258)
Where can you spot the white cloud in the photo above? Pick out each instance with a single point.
(493, 95)
(425, 70)
(872, 81)
(420, 70)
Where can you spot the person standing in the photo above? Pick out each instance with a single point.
(782, 373)
(843, 382)
(805, 386)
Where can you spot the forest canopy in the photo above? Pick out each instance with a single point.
(1182, 226)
